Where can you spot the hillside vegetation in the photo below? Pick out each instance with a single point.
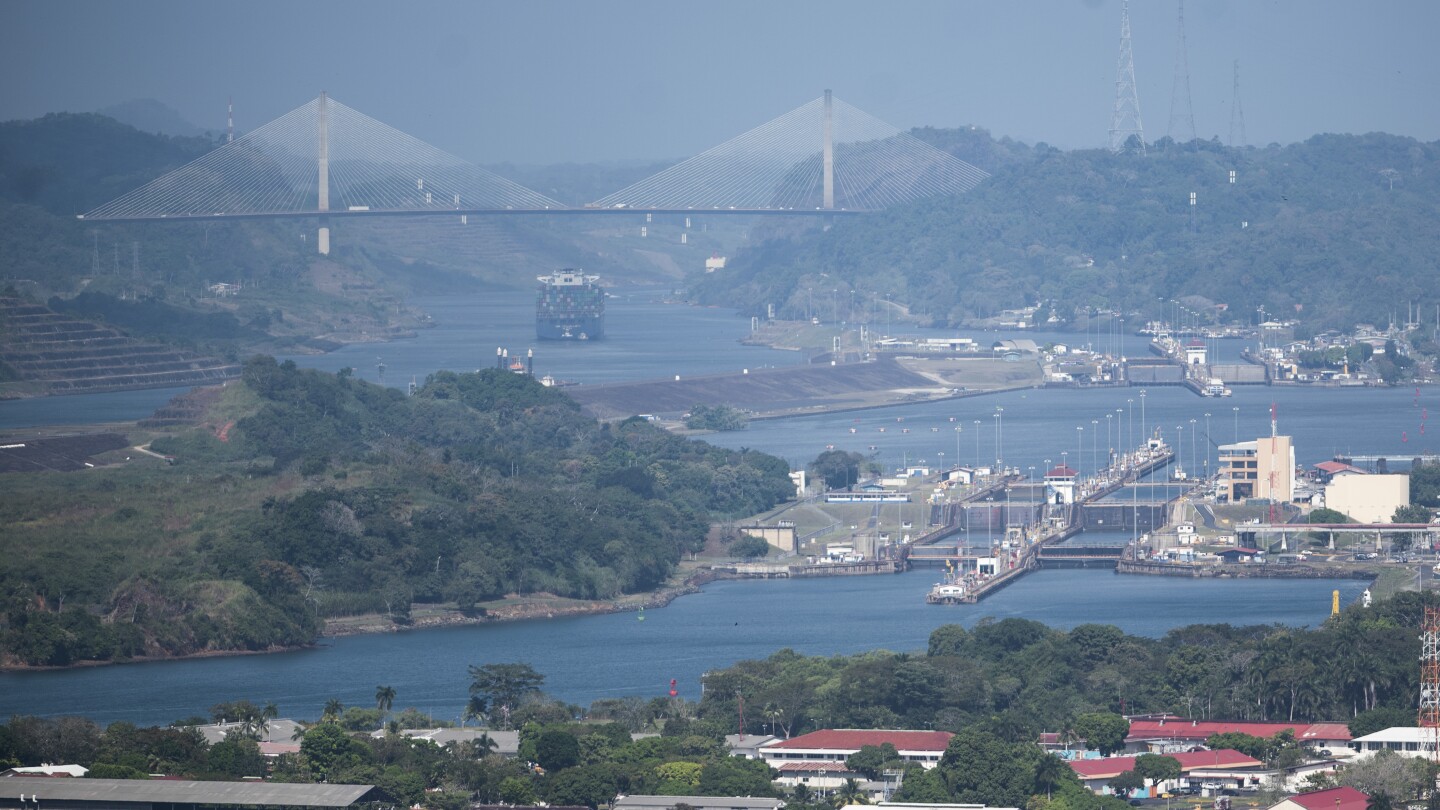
(308, 495)
(1334, 230)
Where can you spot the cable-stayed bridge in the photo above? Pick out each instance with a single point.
(325, 159)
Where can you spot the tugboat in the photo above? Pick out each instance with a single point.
(570, 305)
(946, 593)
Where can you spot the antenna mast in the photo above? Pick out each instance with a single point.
(1237, 112)
(1125, 123)
(1181, 111)
(1429, 715)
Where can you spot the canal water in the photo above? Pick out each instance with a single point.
(594, 657)
(617, 655)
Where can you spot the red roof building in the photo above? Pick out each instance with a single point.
(1225, 766)
(1111, 767)
(836, 745)
(1341, 798)
(1178, 729)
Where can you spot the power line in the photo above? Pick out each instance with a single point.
(1181, 110)
(1237, 112)
(1127, 134)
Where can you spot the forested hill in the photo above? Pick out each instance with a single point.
(308, 495)
(1339, 228)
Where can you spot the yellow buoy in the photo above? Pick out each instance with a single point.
(1334, 603)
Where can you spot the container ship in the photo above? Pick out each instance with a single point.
(570, 306)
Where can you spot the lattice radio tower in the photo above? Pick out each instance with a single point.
(1237, 112)
(1125, 124)
(1182, 113)
(1430, 679)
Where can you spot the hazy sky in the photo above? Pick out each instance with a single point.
(542, 81)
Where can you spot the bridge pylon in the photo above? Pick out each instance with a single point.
(322, 163)
(322, 160)
(827, 149)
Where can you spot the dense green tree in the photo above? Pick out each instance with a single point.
(504, 686)
(981, 768)
(1102, 731)
(327, 748)
(1127, 782)
(749, 547)
(556, 750)
(839, 469)
(1379, 719)
(736, 776)
(871, 760)
(1156, 768)
(236, 757)
(589, 785)
(518, 791)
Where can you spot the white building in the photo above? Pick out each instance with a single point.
(1408, 741)
(837, 745)
(1368, 498)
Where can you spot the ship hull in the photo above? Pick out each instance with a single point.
(570, 328)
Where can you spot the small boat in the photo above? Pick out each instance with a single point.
(945, 593)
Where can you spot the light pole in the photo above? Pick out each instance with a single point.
(1130, 427)
(1235, 409)
(1208, 439)
(999, 437)
(1180, 446)
(1094, 450)
(958, 431)
(1079, 447)
(1109, 442)
(1192, 442)
(1144, 433)
(977, 444)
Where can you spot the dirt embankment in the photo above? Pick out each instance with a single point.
(777, 392)
(515, 608)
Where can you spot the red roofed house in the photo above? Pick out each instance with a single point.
(1224, 768)
(1341, 798)
(1328, 470)
(1155, 733)
(836, 745)
(1060, 485)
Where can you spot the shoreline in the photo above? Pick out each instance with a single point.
(374, 624)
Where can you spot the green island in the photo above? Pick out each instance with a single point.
(300, 496)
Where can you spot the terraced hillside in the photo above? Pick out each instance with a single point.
(46, 352)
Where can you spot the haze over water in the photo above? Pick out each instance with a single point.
(594, 657)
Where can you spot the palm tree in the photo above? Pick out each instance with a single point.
(474, 709)
(270, 712)
(384, 698)
(852, 793)
(333, 709)
(485, 744)
(1049, 773)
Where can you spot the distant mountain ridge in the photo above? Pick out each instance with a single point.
(1337, 229)
(149, 115)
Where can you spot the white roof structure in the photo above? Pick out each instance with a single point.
(1410, 741)
(117, 793)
